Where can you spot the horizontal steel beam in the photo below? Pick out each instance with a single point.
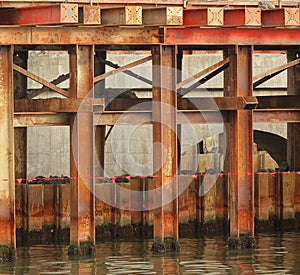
(203, 103)
(145, 117)
(291, 102)
(41, 119)
(59, 105)
(264, 116)
(231, 36)
(138, 117)
(35, 15)
(79, 35)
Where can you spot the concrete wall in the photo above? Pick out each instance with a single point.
(128, 148)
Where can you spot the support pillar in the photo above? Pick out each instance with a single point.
(241, 182)
(293, 129)
(7, 179)
(82, 229)
(165, 158)
(20, 133)
(100, 130)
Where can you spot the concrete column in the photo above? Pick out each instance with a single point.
(293, 129)
(165, 158)
(82, 229)
(20, 134)
(239, 83)
(7, 179)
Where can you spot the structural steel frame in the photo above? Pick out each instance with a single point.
(239, 108)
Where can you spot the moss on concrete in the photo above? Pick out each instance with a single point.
(166, 245)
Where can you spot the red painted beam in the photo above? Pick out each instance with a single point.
(203, 17)
(280, 17)
(36, 15)
(232, 36)
(242, 17)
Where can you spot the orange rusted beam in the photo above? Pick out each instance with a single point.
(59, 105)
(82, 227)
(165, 160)
(84, 35)
(89, 15)
(7, 198)
(239, 83)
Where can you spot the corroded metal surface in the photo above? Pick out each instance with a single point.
(79, 35)
(7, 190)
(165, 160)
(82, 186)
(238, 79)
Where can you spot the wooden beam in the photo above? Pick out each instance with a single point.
(59, 105)
(37, 15)
(121, 69)
(261, 78)
(40, 80)
(203, 72)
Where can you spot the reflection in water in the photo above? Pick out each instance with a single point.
(275, 254)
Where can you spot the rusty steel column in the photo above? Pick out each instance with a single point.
(81, 165)
(20, 133)
(293, 129)
(238, 82)
(165, 158)
(7, 179)
(100, 131)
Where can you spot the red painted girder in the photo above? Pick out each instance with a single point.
(231, 36)
(203, 17)
(242, 17)
(34, 15)
(280, 17)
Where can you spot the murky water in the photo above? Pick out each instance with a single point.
(275, 254)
